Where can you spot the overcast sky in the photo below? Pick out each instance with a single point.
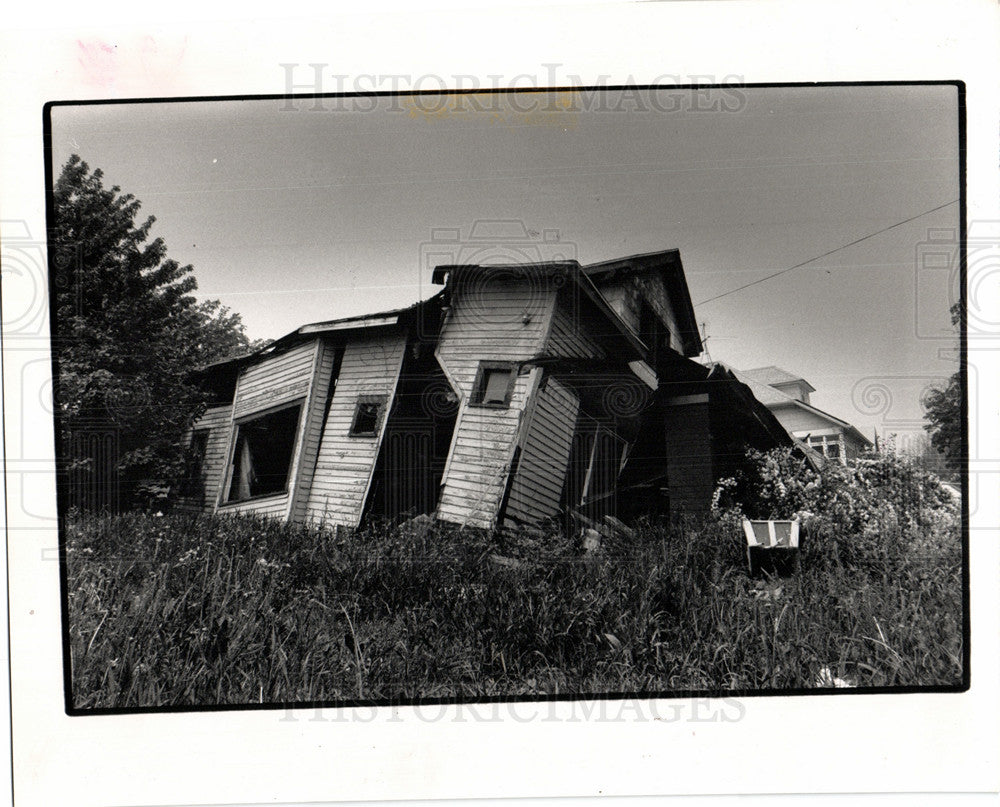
(296, 216)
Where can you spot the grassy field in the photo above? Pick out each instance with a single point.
(181, 610)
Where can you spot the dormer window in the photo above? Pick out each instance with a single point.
(494, 385)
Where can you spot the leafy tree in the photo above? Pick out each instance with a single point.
(943, 410)
(127, 332)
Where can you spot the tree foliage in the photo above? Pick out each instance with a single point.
(943, 410)
(128, 331)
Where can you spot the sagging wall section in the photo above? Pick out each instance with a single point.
(330, 469)
(203, 490)
(537, 487)
(505, 319)
(284, 379)
(369, 369)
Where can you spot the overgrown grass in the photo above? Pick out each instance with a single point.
(181, 610)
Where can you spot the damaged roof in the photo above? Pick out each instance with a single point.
(671, 270)
(668, 262)
(358, 322)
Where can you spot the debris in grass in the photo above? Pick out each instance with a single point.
(826, 678)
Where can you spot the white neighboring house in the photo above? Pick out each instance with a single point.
(787, 396)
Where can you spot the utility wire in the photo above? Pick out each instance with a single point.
(825, 254)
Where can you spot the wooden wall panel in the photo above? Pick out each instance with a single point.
(568, 336)
(216, 420)
(344, 464)
(496, 322)
(537, 486)
(313, 429)
(275, 380)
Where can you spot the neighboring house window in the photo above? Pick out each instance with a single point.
(828, 445)
(193, 485)
(263, 452)
(367, 416)
(494, 385)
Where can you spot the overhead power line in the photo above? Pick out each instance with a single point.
(825, 254)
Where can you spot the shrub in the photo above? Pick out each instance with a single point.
(884, 504)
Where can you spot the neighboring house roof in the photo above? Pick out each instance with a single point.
(672, 271)
(773, 398)
(775, 375)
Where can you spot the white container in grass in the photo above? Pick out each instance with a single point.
(771, 534)
(778, 536)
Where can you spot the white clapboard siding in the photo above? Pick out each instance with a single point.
(275, 506)
(344, 464)
(496, 322)
(313, 430)
(276, 380)
(216, 419)
(537, 486)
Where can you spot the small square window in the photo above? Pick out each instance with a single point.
(367, 416)
(494, 385)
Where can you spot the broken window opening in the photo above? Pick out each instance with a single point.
(494, 385)
(367, 416)
(263, 453)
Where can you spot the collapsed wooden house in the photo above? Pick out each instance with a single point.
(515, 394)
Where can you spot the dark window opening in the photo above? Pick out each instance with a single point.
(367, 416)
(262, 459)
(654, 334)
(193, 485)
(494, 385)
